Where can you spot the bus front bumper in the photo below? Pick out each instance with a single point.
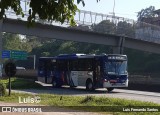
(107, 84)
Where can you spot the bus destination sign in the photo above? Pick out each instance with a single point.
(117, 57)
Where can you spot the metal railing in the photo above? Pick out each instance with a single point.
(102, 23)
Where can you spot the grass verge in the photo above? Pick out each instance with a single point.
(21, 83)
(89, 103)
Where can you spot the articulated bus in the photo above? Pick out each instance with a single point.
(91, 71)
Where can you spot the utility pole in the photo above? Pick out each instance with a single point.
(25, 6)
(1, 23)
(34, 56)
(114, 8)
(113, 12)
(34, 60)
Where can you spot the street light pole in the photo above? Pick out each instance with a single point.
(34, 56)
(1, 23)
(34, 60)
(114, 8)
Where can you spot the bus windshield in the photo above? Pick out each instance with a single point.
(116, 67)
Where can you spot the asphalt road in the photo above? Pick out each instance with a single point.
(116, 93)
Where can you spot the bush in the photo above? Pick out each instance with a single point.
(2, 89)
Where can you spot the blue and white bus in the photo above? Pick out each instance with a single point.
(91, 71)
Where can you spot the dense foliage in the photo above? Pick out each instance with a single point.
(146, 13)
(2, 89)
(51, 10)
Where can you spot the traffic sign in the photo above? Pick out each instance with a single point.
(10, 69)
(14, 54)
(6, 54)
(19, 55)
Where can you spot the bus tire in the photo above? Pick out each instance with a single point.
(89, 85)
(110, 89)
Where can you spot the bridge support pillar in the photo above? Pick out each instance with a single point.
(115, 50)
(119, 48)
(1, 23)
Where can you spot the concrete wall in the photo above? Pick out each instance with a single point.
(141, 79)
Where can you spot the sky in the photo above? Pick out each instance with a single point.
(123, 8)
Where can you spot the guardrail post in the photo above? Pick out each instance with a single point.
(34, 66)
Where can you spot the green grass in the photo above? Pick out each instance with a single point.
(20, 83)
(88, 103)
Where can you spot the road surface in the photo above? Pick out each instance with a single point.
(116, 93)
(80, 91)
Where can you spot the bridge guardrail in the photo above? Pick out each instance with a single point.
(106, 24)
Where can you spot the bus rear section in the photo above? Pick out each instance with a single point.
(46, 69)
(61, 72)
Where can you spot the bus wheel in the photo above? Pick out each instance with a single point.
(89, 85)
(110, 89)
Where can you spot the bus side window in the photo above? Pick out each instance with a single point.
(89, 65)
(74, 65)
(41, 66)
(61, 65)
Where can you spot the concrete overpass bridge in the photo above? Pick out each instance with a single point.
(57, 32)
(92, 27)
(97, 28)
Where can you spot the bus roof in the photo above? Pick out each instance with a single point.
(66, 56)
(75, 56)
(46, 58)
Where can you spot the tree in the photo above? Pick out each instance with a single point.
(146, 13)
(15, 42)
(109, 27)
(105, 26)
(57, 10)
(125, 28)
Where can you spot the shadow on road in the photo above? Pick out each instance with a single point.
(66, 90)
